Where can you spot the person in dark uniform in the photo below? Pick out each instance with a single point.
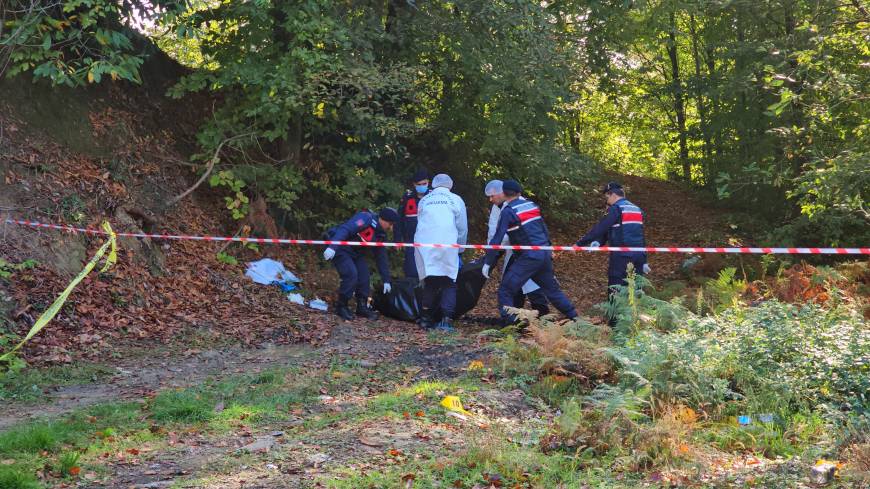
(350, 260)
(407, 225)
(538, 300)
(522, 222)
(622, 226)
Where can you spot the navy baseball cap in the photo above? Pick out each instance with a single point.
(389, 214)
(610, 187)
(512, 185)
(419, 175)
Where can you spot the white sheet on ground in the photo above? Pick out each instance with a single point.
(267, 270)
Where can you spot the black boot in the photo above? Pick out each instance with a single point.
(342, 310)
(427, 322)
(363, 309)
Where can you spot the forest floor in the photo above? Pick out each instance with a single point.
(361, 410)
(172, 369)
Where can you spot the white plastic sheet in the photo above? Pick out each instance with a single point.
(267, 270)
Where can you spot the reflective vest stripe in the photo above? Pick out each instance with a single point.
(366, 234)
(632, 217)
(529, 215)
(411, 208)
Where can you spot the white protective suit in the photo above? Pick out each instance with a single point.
(441, 218)
(494, 215)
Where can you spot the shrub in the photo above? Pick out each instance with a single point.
(674, 368)
(558, 359)
(780, 355)
(634, 310)
(574, 349)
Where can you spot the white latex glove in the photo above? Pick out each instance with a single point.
(328, 254)
(594, 244)
(387, 288)
(485, 271)
(646, 269)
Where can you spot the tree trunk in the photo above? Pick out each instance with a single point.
(714, 99)
(699, 101)
(796, 84)
(742, 109)
(390, 22)
(290, 146)
(679, 103)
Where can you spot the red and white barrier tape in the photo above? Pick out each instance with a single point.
(649, 249)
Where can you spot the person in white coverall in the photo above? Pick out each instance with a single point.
(494, 193)
(441, 218)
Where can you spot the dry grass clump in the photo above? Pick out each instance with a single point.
(571, 348)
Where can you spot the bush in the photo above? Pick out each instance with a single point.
(674, 368)
(558, 359)
(805, 354)
(782, 356)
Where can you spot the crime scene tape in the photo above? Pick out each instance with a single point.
(317, 242)
(109, 246)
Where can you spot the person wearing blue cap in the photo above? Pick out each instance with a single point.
(522, 222)
(622, 226)
(407, 224)
(350, 260)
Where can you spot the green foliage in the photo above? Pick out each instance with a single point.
(673, 368)
(36, 437)
(18, 383)
(339, 98)
(73, 42)
(182, 406)
(7, 269)
(782, 438)
(227, 259)
(723, 292)
(72, 208)
(634, 309)
(775, 355)
(67, 461)
(14, 478)
(763, 103)
(237, 202)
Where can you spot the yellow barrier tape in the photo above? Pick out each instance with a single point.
(111, 246)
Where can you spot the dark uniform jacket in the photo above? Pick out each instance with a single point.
(522, 222)
(622, 226)
(363, 226)
(407, 225)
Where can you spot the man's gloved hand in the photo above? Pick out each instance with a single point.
(646, 269)
(328, 254)
(387, 287)
(485, 271)
(594, 244)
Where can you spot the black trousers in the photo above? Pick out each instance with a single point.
(440, 291)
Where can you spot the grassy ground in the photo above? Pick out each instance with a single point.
(31, 385)
(562, 406)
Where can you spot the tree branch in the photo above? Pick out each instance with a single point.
(214, 159)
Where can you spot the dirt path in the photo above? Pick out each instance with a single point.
(298, 452)
(140, 378)
(135, 380)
